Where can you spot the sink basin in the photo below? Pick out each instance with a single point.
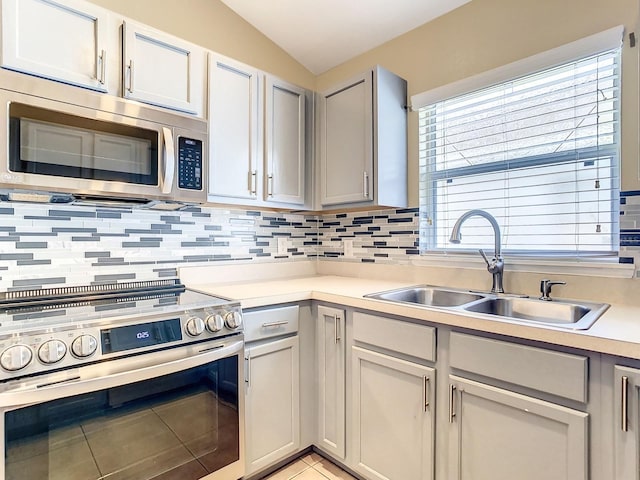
(428, 296)
(575, 315)
(578, 316)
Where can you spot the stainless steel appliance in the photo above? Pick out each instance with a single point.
(137, 381)
(64, 139)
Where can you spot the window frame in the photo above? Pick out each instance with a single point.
(429, 176)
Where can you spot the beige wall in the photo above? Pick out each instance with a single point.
(485, 34)
(211, 24)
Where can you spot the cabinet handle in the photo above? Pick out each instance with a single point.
(247, 370)
(270, 185)
(337, 327)
(365, 186)
(425, 392)
(253, 177)
(624, 423)
(103, 60)
(274, 324)
(452, 413)
(130, 67)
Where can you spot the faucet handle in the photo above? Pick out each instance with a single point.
(486, 260)
(545, 288)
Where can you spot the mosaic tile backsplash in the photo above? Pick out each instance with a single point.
(384, 236)
(51, 245)
(66, 245)
(630, 226)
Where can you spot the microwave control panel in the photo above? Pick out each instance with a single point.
(189, 163)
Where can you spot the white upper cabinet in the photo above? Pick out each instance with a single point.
(347, 143)
(162, 70)
(66, 41)
(234, 130)
(258, 137)
(285, 141)
(363, 141)
(78, 43)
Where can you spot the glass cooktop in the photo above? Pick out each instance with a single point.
(111, 305)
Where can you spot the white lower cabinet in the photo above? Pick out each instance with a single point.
(331, 357)
(393, 417)
(272, 402)
(627, 423)
(502, 435)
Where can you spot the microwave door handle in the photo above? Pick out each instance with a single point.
(169, 161)
(78, 386)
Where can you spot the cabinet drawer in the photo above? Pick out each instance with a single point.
(404, 337)
(561, 374)
(270, 322)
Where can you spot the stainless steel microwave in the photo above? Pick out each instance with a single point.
(61, 138)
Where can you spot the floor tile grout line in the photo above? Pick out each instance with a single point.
(320, 471)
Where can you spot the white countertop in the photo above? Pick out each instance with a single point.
(617, 332)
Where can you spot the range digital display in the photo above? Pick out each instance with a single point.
(140, 335)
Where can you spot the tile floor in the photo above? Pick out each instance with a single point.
(310, 467)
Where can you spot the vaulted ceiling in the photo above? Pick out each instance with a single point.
(321, 34)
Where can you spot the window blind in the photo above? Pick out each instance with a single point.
(540, 153)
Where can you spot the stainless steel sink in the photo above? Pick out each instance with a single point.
(575, 315)
(429, 296)
(578, 316)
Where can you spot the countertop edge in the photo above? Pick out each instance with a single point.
(615, 333)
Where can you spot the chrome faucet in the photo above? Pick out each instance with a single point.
(495, 266)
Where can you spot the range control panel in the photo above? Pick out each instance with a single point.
(68, 346)
(189, 163)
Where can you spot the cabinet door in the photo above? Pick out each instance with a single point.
(346, 130)
(272, 402)
(627, 427)
(393, 421)
(162, 70)
(503, 435)
(234, 129)
(285, 147)
(65, 41)
(331, 380)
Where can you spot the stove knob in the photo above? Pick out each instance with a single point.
(233, 320)
(15, 357)
(84, 346)
(215, 322)
(52, 351)
(195, 326)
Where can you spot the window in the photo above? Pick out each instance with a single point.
(540, 153)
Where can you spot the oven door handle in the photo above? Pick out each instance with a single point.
(114, 373)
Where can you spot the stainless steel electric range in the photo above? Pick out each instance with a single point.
(137, 380)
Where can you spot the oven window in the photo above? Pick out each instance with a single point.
(180, 426)
(45, 142)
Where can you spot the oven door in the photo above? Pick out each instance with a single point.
(173, 414)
